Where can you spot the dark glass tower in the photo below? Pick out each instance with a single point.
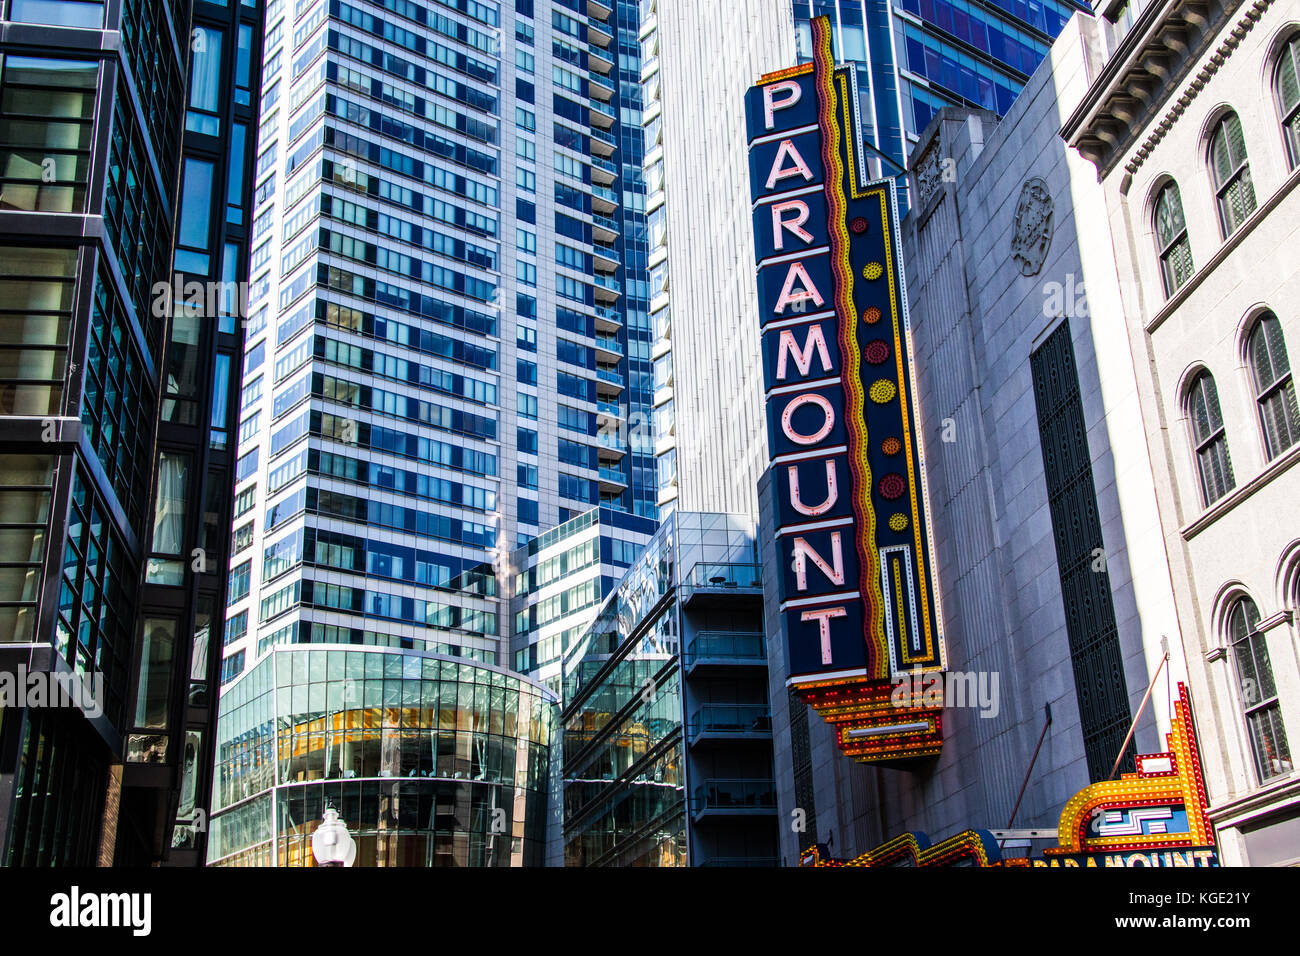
(112, 475)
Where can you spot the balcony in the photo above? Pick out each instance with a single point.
(602, 116)
(612, 410)
(608, 381)
(599, 59)
(608, 288)
(601, 88)
(603, 142)
(709, 583)
(604, 228)
(608, 319)
(730, 722)
(604, 200)
(719, 799)
(599, 33)
(718, 650)
(612, 480)
(608, 348)
(606, 258)
(603, 169)
(611, 448)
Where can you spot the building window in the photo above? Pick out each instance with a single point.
(1274, 387)
(1231, 173)
(1258, 692)
(1210, 439)
(1287, 85)
(1171, 239)
(48, 110)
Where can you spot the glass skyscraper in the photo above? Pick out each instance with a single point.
(447, 350)
(916, 56)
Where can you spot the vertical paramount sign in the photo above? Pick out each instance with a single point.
(858, 606)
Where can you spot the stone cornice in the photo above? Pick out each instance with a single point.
(1213, 64)
(1145, 73)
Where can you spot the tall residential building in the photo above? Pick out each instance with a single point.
(447, 350)
(126, 145)
(437, 365)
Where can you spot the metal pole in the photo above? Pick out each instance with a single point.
(1133, 726)
(1047, 709)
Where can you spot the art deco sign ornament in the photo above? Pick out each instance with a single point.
(857, 594)
(1033, 235)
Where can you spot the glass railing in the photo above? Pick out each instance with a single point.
(608, 282)
(614, 475)
(608, 253)
(612, 377)
(613, 442)
(613, 409)
(604, 135)
(605, 164)
(710, 575)
(607, 222)
(598, 27)
(609, 344)
(602, 108)
(605, 193)
(731, 719)
(600, 53)
(734, 795)
(596, 80)
(608, 314)
(726, 645)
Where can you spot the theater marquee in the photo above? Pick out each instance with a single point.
(857, 593)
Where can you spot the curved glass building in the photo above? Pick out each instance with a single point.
(430, 760)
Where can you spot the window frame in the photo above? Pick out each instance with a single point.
(1255, 640)
(1266, 393)
(1239, 172)
(1288, 119)
(1165, 249)
(1203, 444)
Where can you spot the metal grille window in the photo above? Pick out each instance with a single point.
(1286, 84)
(1172, 244)
(1231, 173)
(1274, 387)
(1258, 692)
(1210, 439)
(1095, 654)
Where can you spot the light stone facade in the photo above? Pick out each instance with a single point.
(1144, 128)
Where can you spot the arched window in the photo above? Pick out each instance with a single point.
(1274, 387)
(1286, 85)
(1258, 691)
(1172, 245)
(1231, 173)
(1209, 439)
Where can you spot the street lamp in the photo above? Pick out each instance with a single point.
(331, 844)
